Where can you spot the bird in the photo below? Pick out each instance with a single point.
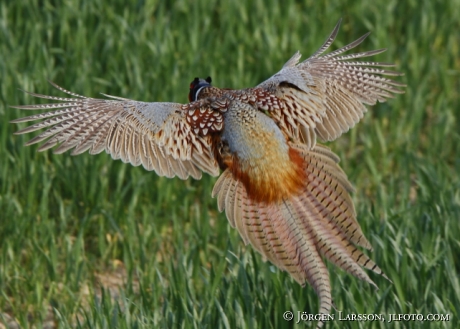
(282, 190)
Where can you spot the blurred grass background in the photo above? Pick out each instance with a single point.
(87, 242)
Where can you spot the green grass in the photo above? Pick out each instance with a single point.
(66, 221)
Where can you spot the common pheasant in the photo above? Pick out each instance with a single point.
(284, 193)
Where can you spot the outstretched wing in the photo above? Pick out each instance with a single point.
(325, 95)
(156, 135)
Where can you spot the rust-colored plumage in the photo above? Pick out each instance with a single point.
(284, 192)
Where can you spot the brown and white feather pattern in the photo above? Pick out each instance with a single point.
(284, 193)
(328, 93)
(155, 135)
(295, 233)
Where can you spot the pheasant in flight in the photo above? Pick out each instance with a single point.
(284, 192)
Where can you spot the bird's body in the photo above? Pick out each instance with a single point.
(284, 192)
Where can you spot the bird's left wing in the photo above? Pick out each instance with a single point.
(325, 95)
(171, 139)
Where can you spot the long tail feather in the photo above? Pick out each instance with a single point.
(297, 232)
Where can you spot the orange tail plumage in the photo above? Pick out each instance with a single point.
(296, 232)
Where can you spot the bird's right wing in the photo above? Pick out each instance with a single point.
(326, 94)
(171, 139)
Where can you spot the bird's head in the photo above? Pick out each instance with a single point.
(196, 86)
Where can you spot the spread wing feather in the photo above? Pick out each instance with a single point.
(156, 135)
(327, 93)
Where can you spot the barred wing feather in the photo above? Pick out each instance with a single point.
(327, 93)
(155, 135)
